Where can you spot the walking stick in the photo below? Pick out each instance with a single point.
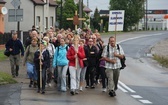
(40, 62)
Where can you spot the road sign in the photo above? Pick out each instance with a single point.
(15, 15)
(116, 20)
(16, 3)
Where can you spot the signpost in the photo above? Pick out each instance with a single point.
(116, 20)
(16, 14)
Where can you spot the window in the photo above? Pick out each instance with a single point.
(51, 21)
(46, 23)
(38, 21)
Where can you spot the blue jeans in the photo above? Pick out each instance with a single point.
(31, 71)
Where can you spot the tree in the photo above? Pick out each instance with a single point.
(134, 11)
(96, 20)
(69, 9)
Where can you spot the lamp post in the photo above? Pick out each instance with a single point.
(146, 25)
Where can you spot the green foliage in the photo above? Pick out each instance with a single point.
(69, 9)
(152, 29)
(165, 28)
(156, 28)
(162, 60)
(134, 11)
(2, 56)
(96, 20)
(148, 28)
(6, 78)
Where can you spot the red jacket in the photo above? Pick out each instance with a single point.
(71, 56)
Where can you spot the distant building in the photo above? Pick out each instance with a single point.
(40, 13)
(156, 19)
(2, 4)
(104, 13)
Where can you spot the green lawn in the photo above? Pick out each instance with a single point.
(6, 79)
(2, 56)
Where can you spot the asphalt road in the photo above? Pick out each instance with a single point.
(141, 82)
(144, 76)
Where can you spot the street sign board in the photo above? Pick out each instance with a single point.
(15, 15)
(16, 3)
(116, 20)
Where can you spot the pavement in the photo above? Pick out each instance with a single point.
(21, 94)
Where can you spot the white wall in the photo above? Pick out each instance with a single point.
(28, 15)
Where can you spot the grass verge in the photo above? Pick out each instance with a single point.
(6, 79)
(2, 56)
(162, 60)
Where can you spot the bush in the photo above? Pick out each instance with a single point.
(161, 60)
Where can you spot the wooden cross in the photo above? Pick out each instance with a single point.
(76, 20)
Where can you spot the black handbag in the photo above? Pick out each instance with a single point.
(7, 53)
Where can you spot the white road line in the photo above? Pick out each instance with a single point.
(122, 89)
(136, 96)
(141, 37)
(145, 101)
(126, 87)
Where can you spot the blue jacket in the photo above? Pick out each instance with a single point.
(60, 58)
(16, 45)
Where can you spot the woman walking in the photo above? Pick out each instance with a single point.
(61, 62)
(75, 56)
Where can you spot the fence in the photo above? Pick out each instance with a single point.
(6, 36)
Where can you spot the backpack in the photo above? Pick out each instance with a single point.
(122, 60)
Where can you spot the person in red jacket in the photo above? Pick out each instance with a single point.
(75, 55)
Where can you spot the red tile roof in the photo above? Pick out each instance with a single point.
(38, 2)
(2, 2)
(86, 9)
(52, 3)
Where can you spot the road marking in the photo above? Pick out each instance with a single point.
(126, 87)
(145, 101)
(136, 96)
(122, 89)
(140, 37)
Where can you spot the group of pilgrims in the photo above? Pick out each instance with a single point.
(73, 60)
(66, 54)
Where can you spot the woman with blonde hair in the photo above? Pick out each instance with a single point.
(75, 56)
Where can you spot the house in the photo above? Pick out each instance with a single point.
(2, 3)
(40, 13)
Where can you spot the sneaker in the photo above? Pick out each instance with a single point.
(49, 84)
(43, 92)
(104, 90)
(72, 93)
(87, 86)
(92, 87)
(112, 93)
(76, 92)
(80, 89)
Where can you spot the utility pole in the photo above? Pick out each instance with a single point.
(80, 12)
(61, 16)
(18, 25)
(146, 15)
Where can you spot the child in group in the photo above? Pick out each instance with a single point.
(42, 58)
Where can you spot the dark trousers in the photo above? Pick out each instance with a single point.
(103, 76)
(90, 74)
(43, 79)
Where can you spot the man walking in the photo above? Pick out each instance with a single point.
(112, 56)
(14, 45)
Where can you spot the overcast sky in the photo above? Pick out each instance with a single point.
(104, 4)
